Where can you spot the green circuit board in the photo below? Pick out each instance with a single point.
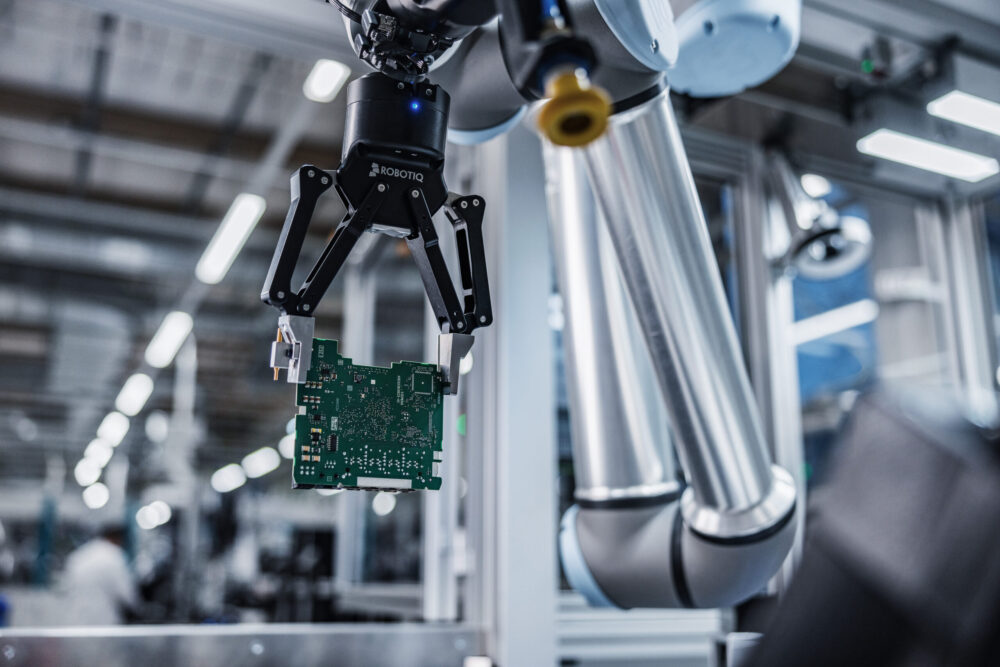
(367, 427)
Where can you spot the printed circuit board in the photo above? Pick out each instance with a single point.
(367, 427)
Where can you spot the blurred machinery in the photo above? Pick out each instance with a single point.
(900, 574)
(821, 244)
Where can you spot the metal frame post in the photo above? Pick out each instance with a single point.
(972, 306)
(511, 417)
(766, 314)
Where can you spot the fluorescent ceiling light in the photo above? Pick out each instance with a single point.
(228, 478)
(967, 109)
(152, 515)
(146, 518)
(134, 394)
(287, 446)
(99, 451)
(815, 185)
(113, 428)
(86, 472)
(834, 321)
(168, 339)
(928, 155)
(259, 463)
(157, 426)
(383, 503)
(161, 511)
(325, 80)
(96, 496)
(229, 238)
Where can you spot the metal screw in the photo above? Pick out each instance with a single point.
(459, 325)
(381, 187)
(464, 204)
(310, 173)
(655, 45)
(429, 92)
(400, 86)
(414, 193)
(482, 318)
(475, 202)
(281, 295)
(9, 652)
(325, 180)
(257, 648)
(305, 307)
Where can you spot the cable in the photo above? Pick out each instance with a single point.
(345, 10)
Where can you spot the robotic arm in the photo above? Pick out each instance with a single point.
(635, 538)
(391, 181)
(391, 174)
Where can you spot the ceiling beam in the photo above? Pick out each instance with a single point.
(926, 21)
(301, 29)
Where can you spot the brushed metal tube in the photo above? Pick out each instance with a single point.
(618, 421)
(641, 176)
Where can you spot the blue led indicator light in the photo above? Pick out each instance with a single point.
(415, 106)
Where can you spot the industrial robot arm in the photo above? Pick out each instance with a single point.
(648, 331)
(391, 181)
(635, 538)
(391, 174)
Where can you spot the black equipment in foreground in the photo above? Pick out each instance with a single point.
(900, 567)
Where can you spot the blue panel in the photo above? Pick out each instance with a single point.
(848, 359)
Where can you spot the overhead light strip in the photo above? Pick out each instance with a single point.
(834, 321)
(969, 110)
(325, 80)
(928, 155)
(167, 340)
(237, 225)
(134, 394)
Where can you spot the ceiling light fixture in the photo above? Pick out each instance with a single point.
(113, 428)
(259, 463)
(232, 234)
(325, 80)
(383, 503)
(161, 510)
(834, 321)
(816, 186)
(928, 155)
(167, 340)
(286, 446)
(99, 451)
(96, 496)
(86, 472)
(134, 394)
(966, 109)
(228, 478)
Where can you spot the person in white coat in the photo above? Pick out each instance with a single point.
(98, 582)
